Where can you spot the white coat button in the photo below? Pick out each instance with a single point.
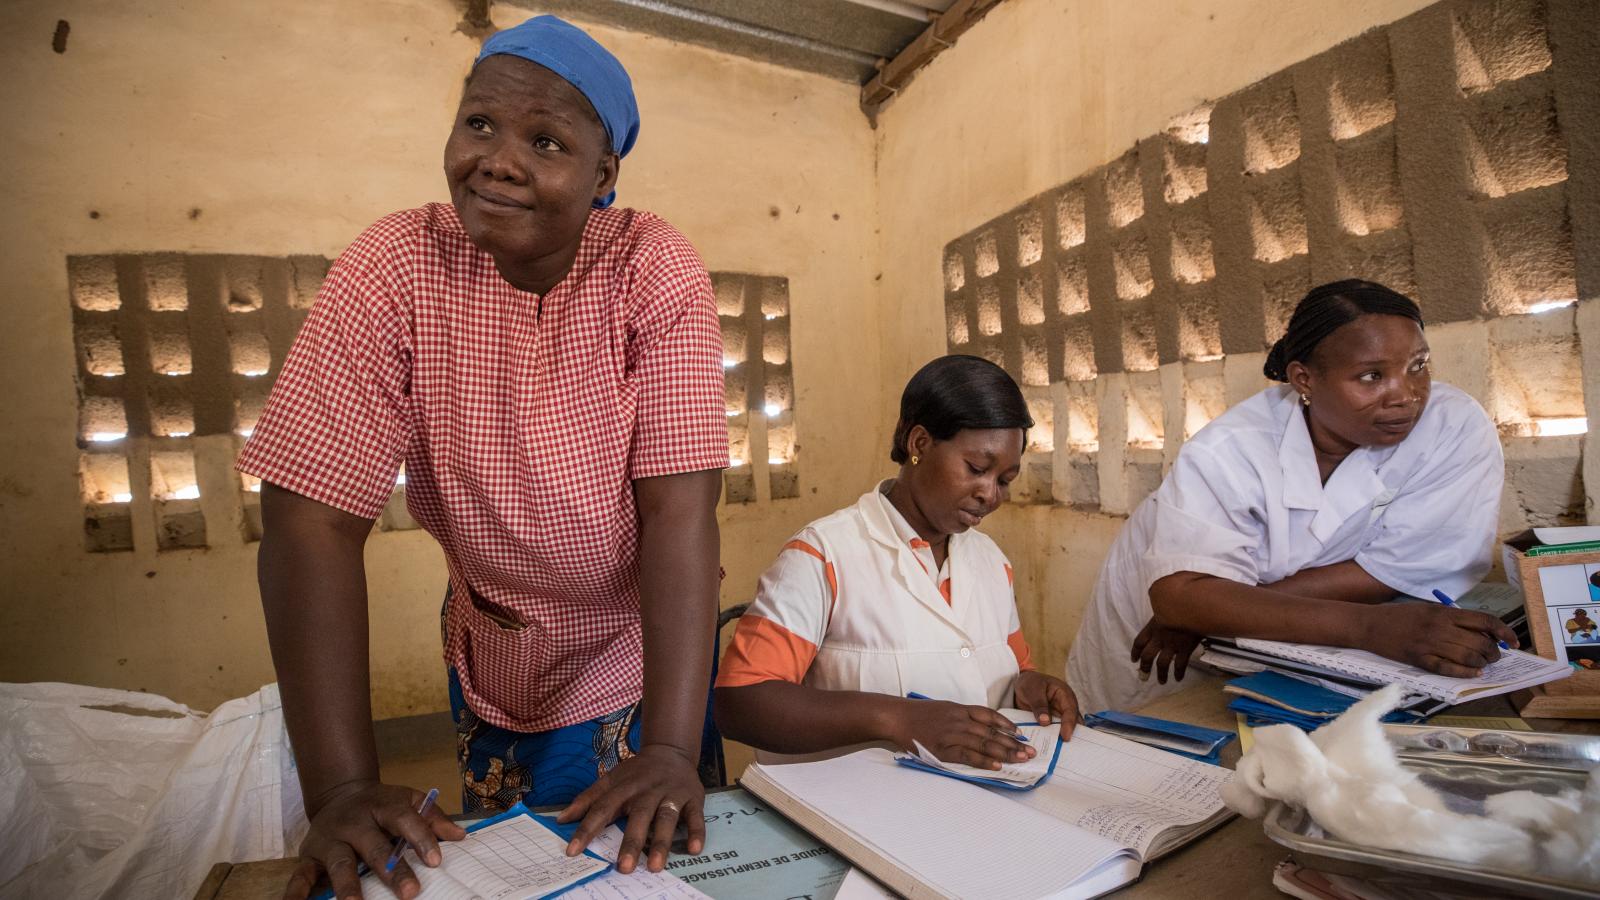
(966, 652)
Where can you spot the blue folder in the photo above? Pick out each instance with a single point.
(915, 763)
(1207, 743)
(1268, 698)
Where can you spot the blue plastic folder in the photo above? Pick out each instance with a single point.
(564, 831)
(915, 763)
(1268, 698)
(1192, 741)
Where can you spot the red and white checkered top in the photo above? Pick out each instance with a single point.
(521, 431)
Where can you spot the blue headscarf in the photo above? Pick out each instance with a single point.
(571, 53)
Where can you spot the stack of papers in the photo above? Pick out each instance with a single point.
(1312, 684)
(1307, 685)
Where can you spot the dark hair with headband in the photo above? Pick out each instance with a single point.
(1324, 310)
(956, 392)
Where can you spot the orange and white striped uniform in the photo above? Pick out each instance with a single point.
(854, 602)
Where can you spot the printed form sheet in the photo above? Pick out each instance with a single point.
(1124, 791)
(511, 860)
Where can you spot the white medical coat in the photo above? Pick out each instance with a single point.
(1245, 501)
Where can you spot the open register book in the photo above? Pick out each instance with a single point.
(1514, 670)
(1110, 806)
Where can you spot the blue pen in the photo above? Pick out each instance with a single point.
(400, 843)
(1015, 734)
(1445, 599)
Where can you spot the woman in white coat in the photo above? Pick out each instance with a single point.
(1296, 513)
(897, 595)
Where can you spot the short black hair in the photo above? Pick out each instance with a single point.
(956, 392)
(1324, 310)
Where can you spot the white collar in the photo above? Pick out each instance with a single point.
(1352, 487)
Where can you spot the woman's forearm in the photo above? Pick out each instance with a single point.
(1206, 604)
(1345, 581)
(783, 717)
(314, 597)
(678, 551)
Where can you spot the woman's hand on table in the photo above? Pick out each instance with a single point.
(972, 735)
(1447, 641)
(655, 788)
(357, 823)
(1047, 697)
(1161, 646)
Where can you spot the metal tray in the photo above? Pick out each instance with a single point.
(1539, 749)
(1466, 765)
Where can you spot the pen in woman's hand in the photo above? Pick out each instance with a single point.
(1445, 599)
(400, 843)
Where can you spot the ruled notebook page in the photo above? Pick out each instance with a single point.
(964, 840)
(1124, 791)
(1514, 669)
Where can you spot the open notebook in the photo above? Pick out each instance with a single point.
(1110, 806)
(1513, 671)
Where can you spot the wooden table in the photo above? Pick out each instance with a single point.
(1234, 861)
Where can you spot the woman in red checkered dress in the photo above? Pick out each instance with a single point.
(549, 370)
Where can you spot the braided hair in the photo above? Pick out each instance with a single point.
(955, 392)
(1324, 310)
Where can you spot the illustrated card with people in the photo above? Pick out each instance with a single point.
(1572, 604)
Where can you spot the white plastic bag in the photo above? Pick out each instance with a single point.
(119, 794)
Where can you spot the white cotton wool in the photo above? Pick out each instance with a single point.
(1350, 780)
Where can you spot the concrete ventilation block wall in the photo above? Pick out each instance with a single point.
(1452, 155)
(176, 355)
(758, 378)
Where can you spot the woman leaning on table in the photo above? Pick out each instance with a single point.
(548, 367)
(1299, 510)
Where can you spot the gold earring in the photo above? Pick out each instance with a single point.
(915, 460)
(1305, 400)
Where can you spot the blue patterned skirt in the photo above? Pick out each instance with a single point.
(549, 768)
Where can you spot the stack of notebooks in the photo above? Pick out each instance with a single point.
(1307, 685)
(1109, 806)
(1268, 698)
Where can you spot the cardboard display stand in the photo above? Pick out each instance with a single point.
(1576, 697)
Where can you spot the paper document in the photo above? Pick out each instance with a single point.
(1126, 791)
(1570, 534)
(643, 884)
(751, 850)
(514, 859)
(1042, 738)
(1514, 669)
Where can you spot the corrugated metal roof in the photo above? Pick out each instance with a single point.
(842, 39)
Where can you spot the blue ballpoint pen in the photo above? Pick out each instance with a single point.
(1015, 735)
(1445, 599)
(400, 843)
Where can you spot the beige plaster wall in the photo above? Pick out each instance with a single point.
(286, 128)
(290, 127)
(1038, 93)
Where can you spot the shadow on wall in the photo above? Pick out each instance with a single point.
(1431, 154)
